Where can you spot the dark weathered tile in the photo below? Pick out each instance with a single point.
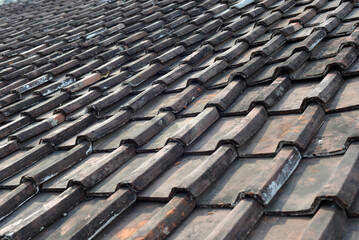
(239, 221)
(209, 140)
(343, 99)
(28, 208)
(344, 59)
(60, 182)
(152, 108)
(333, 134)
(305, 183)
(244, 89)
(274, 227)
(113, 140)
(199, 103)
(66, 221)
(293, 98)
(199, 224)
(225, 191)
(15, 180)
(85, 221)
(265, 142)
(109, 184)
(159, 140)
(326, 49)
(162, 186)
(329, 221)
(242, 103)
(136, 217)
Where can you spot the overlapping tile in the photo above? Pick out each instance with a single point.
(136, 102)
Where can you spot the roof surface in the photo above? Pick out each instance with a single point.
(181, 119)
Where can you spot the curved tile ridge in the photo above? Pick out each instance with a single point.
(328, 223)
(65, 161)
(8, 148)
(204, 175)
(193, 185)
(102, 129)
(305, 128)
(272, 178)
(101, 32)
(54, 140)
(150, 129)
(167, 219)
(142, 175)
(302, 51)
(37, 128)
(89, 181)
(239, 222)
(66, 132)
(325, 90)
(241, 45)
(248, 127)
(138, 102)
(88, 227)
(156, 225)
(48, 213)
(11, 127)
(112, 162)
(273, 93)
(335, 187)
(147, 94)
(263, 188)
(16, 198)
(86, 80)
(342, 186)
(26, 160)
(187, 134)
(96, 78)
(148, 171)
(120, 200)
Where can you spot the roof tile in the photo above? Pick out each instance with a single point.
(48, 212)
(245, 214)
(199, 105)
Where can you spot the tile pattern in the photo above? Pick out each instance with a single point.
(202, 119)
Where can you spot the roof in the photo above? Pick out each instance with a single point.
(181, 119)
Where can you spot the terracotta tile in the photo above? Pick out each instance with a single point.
(239, 221)
(60, 182)
(205, 103)
(159, 140)
(191, 227)
(162, 186)
(306, 182)
(293, 98)
(199, 103)
(209, 140)
(265, 142)
(272, 227)
(225, 191)
(28, 207)
(131, 220)
(339, 125)
(342, 99)
(112, 141)
(109, 184)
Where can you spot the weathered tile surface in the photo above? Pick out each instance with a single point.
(179, 119)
